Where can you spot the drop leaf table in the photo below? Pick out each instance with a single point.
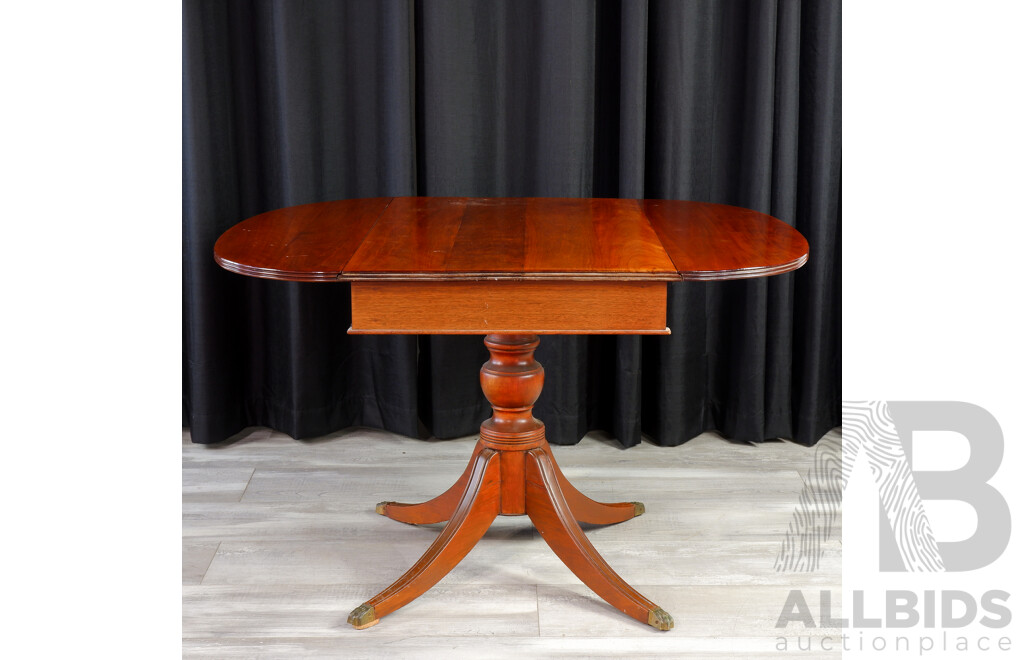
(510, 269)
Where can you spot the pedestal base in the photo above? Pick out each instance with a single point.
(512, 472)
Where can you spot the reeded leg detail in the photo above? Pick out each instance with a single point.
(589, 511)
(439, 509)
(547, 507)
(477, 509)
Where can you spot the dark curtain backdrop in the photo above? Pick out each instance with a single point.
(724, 101)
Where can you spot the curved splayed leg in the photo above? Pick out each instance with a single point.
(477, 509)
(550, 512)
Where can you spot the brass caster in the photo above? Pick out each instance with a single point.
(383, 505)
(364, 617)
(638, 509)
(658, 618)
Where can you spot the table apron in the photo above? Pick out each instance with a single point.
(509, 307)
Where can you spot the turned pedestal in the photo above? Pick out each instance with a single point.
(512, 472)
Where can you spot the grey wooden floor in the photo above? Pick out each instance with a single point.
(280, 541)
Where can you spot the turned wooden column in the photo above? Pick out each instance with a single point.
(512, 380)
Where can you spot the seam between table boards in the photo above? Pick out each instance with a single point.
(344, 267)
(654, 230)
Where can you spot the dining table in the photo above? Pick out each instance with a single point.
(511, 269)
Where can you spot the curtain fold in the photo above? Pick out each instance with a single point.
(733, 102)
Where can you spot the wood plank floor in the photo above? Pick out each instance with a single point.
(280, 541)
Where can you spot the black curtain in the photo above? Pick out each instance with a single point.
(291, 102)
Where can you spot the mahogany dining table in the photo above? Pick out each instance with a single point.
(510, 269)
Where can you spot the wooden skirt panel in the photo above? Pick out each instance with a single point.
(509, 307)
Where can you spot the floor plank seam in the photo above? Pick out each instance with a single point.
(536, 593)
(207, 569)
(249, 481)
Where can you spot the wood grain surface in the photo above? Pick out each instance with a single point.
(307, 243)
(460, 238)
(415, 237)
(719, 242)
(483, 307)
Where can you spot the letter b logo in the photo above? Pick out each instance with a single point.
(967, 484)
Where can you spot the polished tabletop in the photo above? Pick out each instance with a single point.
(534, 238)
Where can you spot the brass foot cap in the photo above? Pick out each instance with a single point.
(363, 617)
(381, 506)
(638, 509)
(660, 619)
